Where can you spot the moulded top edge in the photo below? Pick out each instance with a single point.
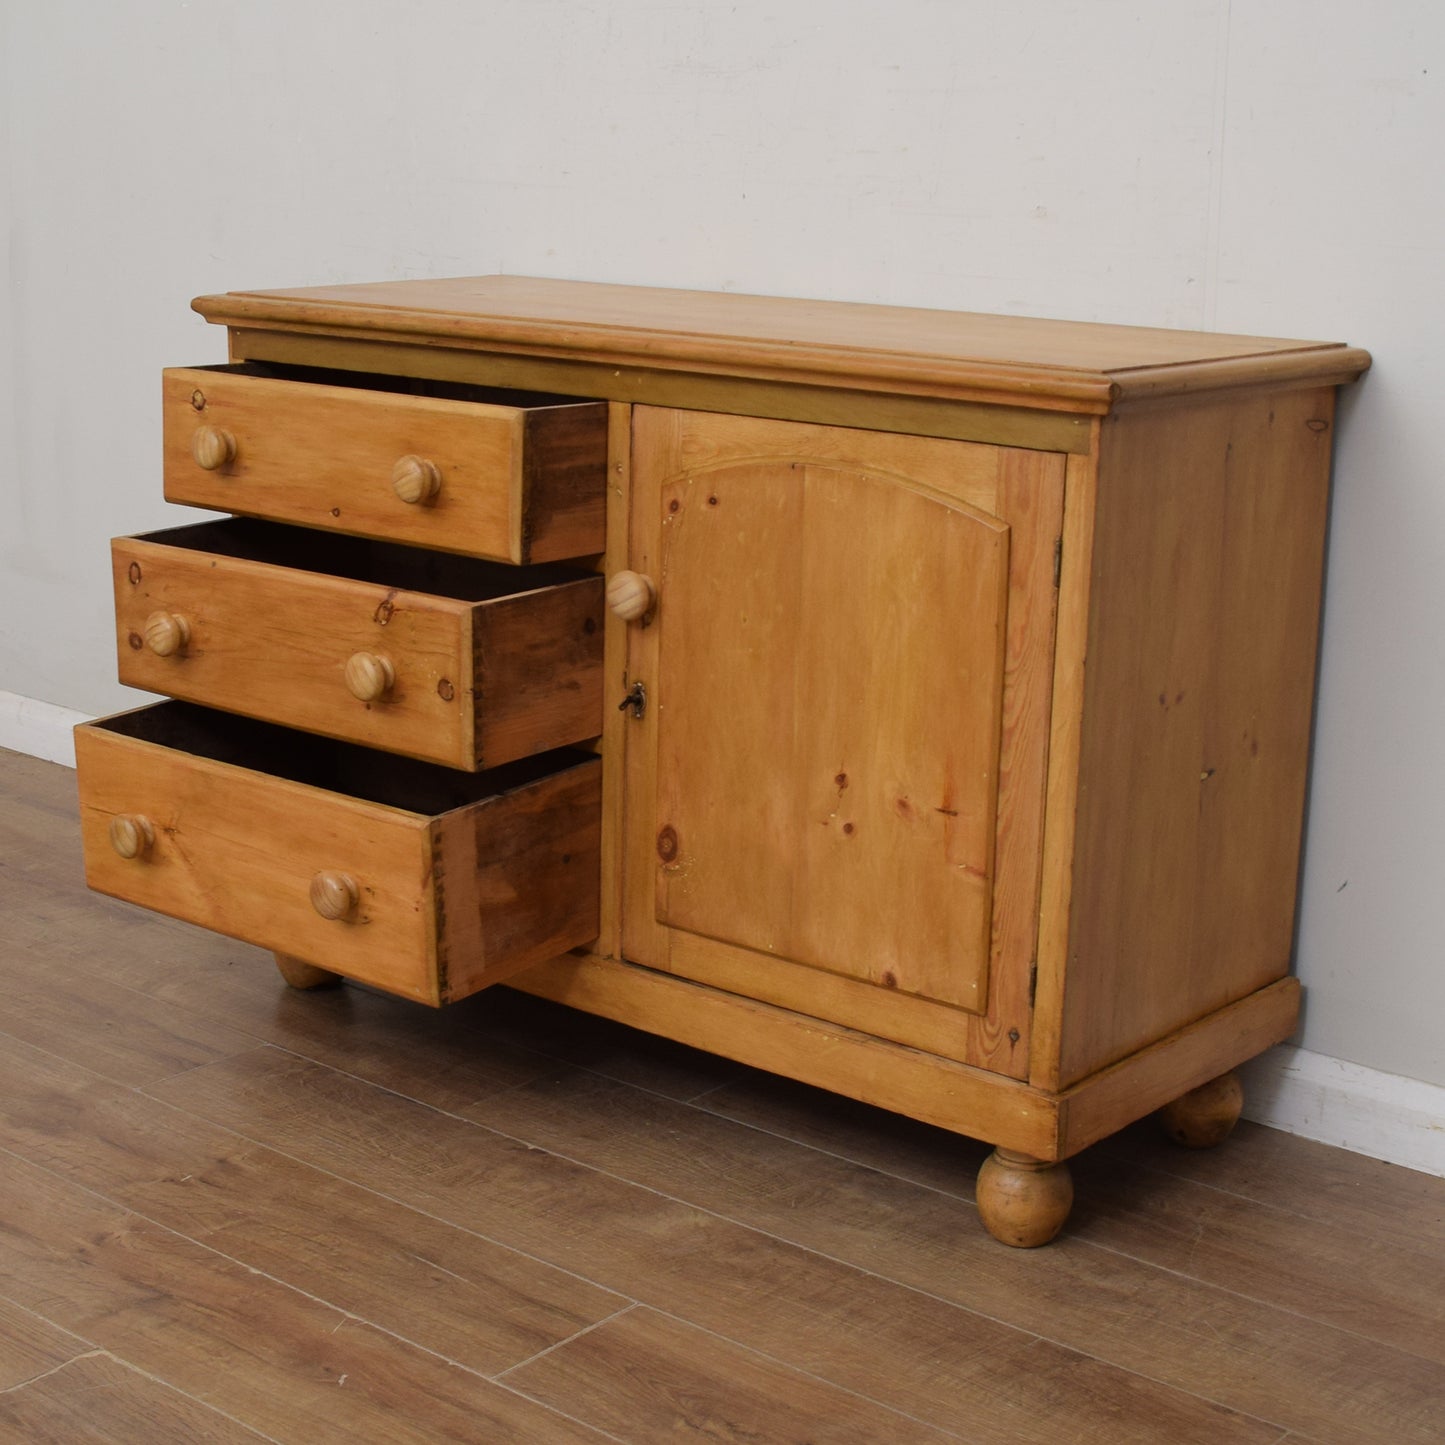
(1089, 363)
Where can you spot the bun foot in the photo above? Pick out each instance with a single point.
(299, 974)
(1204, 1116)
(1023, 1201)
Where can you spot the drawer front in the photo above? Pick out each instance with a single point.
(433, 905)
(468, 683)
(515, 483)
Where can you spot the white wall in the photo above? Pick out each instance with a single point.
(1251, 165)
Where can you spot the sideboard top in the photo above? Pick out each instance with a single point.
(1072, 365)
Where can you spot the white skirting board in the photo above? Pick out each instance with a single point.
(1363, 1110)
(1360, 1109)
(38, 728)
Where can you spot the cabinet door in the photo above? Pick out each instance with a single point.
(835, 792)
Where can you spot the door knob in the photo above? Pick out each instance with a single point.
(631, 595)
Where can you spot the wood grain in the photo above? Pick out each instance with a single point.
(939, 1362)
(1017, 426)
(1195, 738)
(448, 1290)
(97, 1400)
(696, 1385)
(537, 665)
(508, 666)
(882, 347)
(498, 879)
(322, 455)
(130, 1039)
(236, 851)
(1056, 882)
(517, 878)
(750, 937)
(1166, 1325)
(854, 839)
(31, 1347)
(971, 1101)
(1309, 1268)
(257, 1350)
(615, 723)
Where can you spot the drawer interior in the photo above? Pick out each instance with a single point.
(357, 772)
(399, 385)
(384, 564)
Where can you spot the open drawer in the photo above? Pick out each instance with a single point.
(456, 661)
(514, 476)
(421, 881)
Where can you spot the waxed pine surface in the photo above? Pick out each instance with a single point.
(231, 1212)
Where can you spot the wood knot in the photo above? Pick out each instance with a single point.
(667, 844)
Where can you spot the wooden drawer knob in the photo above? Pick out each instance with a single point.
(369, 675)
(630, 595)
(131, 834)
(213, 447)
(167, 633)
(416, 480)
(334, 895)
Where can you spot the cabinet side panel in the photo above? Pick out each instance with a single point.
(1199, 684)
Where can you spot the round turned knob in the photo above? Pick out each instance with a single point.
(415, 480)
(630, 595)
(369, 675)
(167, 633)
(334, 895)
(213, 447)
(131, 834)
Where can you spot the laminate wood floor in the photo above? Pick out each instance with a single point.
(231, 1212)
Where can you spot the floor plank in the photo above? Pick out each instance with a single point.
(112, 1030)
(1146, 1198)
(1351, 1193)
(1382, 1289)
(1181, 1331)
(938, 1361)
(695, 1385)
(31, 1346)
(420, 1278)
(96, 1400)
(287, 1365)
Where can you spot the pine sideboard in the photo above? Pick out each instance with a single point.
(912, 703)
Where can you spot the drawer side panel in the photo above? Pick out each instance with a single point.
(538, 669)
(518, 879)
(564, 482)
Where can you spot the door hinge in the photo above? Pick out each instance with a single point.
(1058, 560)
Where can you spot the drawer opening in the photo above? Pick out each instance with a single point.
(383, 564)
(399, 385)
(357, 772)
